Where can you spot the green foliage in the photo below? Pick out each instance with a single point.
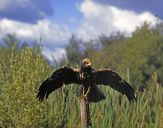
(142, 53)
(19, 108)
(22, 70)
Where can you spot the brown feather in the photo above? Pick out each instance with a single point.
(64, 75)
(89, 78)
(111, 78)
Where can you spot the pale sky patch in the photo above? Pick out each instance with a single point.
(54, 53)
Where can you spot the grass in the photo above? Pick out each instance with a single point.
(22, 72)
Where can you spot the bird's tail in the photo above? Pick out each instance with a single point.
(95, 94)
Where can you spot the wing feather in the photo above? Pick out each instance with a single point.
(64, 75)
(111, 78)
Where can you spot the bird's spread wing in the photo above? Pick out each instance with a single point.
(111, 78)
(64, 75)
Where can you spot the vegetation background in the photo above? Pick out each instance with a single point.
(137, 58)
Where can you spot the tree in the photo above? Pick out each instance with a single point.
(21, 71)
(73, 50)
(141, 53)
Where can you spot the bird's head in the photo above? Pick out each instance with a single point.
(86, 63)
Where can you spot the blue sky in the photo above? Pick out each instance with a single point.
(66, 12)
(56, 20)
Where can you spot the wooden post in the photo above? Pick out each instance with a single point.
(85, 113)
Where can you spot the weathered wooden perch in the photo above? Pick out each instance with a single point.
(85, 113)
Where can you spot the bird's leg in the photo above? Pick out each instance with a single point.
(83, 91)
(85, 95)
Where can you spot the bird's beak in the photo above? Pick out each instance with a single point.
(89, 65)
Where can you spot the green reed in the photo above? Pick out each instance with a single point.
(22, 72)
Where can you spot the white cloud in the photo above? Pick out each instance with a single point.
(51, 32)
(105, 19)
(54, 36)
(55, 53)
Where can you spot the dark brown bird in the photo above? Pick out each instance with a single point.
(88, 79)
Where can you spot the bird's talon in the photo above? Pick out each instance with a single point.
(85, 95)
